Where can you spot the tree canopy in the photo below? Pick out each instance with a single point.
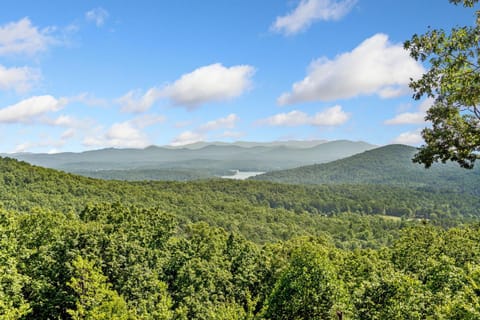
(453, 81)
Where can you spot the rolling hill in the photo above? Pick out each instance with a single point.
(135, 249)
(388, 165)
(222, 202)
(195, 161)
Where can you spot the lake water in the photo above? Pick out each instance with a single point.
(242, 175)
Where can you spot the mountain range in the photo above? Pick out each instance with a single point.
(199, 160)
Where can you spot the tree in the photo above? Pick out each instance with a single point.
(308, 288)
(12, 303)
(95, 299)
(453, 81)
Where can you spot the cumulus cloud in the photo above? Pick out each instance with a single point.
(333, 116)
(97, 16)
(62, 121)
(309, 11)
(22, 37)
(126, 134)
(28, 110)
(119, 135)
(135, 102)
(209, 83)
(44, 143)
(187, 137)
(66, 121)
(88, 99)
(290, 119)
(417, 117)
(409, 137)
(201, 132)
(67, 134)
(19, 79)
(374, 67)
(206, 84)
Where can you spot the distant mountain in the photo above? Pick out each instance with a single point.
(206, 160)
(389, 165)
(250, 144)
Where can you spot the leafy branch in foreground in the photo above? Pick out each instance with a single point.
(453, 81)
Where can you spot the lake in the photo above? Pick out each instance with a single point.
(242, 175)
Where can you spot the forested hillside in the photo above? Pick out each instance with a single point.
(195, 161)
(389, 165)
(79, 248)
(24, 186)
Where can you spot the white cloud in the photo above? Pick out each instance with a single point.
(409, 137)
(202, 131)
(64, 121)
(407, 118)
(412, 117)
(333, 116)
(374, 67)
(205, 84)
(88, 99)
(19, 79)
(44, 143)
(133, 101)
(67, 134)
(223, 123)
(127, 134)
(309, 11)
(23, 38)
(28, 110)
(124, 134)
(291, 119)
(119, 135)
(187, 137)
(209, 83)
(97, 15)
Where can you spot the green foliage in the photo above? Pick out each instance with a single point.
(260, 211)
(393, 295)
(390, 165)
(453, 80)
(95, 299)
(13, 305)
(78, 248)
(308, 288)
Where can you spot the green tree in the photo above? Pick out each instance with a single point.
(453, 81)
(12, 303)
(95, 299)
(308, 289)
(392, 295)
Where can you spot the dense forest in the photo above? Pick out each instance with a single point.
(79, 248)
(388, 165)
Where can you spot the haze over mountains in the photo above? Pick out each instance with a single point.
(200, 160)
(297, 162)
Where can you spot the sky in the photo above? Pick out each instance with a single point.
(82, 75)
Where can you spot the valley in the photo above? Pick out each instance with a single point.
(229, 247)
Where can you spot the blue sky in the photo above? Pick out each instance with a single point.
(81, 75)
